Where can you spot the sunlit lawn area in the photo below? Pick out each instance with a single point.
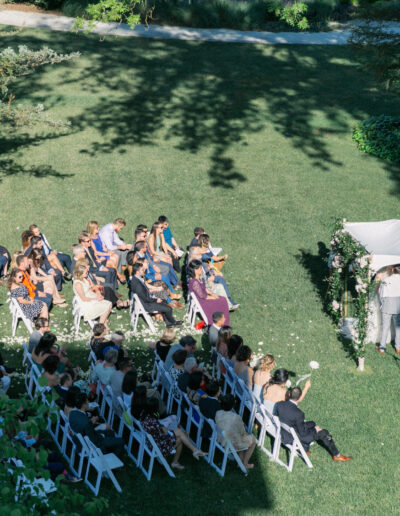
(254, 144)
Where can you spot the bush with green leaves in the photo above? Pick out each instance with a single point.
(66, 501)
(293, 15)
(380, 136)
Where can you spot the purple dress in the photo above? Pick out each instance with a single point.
(209, 306)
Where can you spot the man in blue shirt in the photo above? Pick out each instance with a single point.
(173, 248)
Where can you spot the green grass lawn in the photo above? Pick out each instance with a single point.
(253, 143)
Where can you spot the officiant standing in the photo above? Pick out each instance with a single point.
(389, 293)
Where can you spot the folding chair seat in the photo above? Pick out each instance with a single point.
(220, 444)
(268, 425)
(193, 309)
(295, 448)
(78, 314)
(18, 314)
(138, 310)
(247, 403)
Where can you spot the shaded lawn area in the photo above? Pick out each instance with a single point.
(253, 143)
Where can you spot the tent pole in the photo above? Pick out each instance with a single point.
(345, 296)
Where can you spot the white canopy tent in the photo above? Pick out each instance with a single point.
(381, 240)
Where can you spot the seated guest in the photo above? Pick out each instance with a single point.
(233, 427)
(98, 339)
(242, 368)
(101, 253)
(170, 442)
(63, 259)
(5, 259)
(149, 303)
(118, 377)
(159, 289)
(23, 266)
(139, 402)
(5, 380)
(63, 387)
(117, 338)
(93, 305)
(156, 244)
(209, 302)
(41, 326)
(25, 240)
(70, 399)
(173, 248)
(96, 267)
(103, 371)
(210, 405)
(50, 366)
(81, 424)
(31, 308)
(262, 376)
(112, 242)
(48, 346)
(128, 387)
(224, 334)
(289, 413)
(218, 261)
(197, 232)
(164, 344)
(44, 282)
(189, 366)
(187, 343)
(213, 278)
(234, 344)
(276, 390)
(49, 268)
(177, 369)
(193, 389)
(218, 320)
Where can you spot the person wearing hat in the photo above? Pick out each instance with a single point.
(187, 343)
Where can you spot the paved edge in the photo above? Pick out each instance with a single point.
(63, 23)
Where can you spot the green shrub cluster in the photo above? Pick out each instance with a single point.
(380, 136)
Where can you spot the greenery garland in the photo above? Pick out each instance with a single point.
(349, 259)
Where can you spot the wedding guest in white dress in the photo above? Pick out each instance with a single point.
(93, 304)
(262, 376)
(389, 293)
(276, 390)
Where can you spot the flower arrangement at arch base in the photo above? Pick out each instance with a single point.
(350, 259)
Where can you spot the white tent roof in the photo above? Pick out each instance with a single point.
(381, 239)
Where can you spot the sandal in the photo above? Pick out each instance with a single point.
(199, 453)
(122, 304)
(61, 305)
(176, 465)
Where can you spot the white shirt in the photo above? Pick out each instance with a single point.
(390, 286)
(110, 237)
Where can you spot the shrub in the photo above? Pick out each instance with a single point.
(293, 15)
(74, 8)
(380, 136)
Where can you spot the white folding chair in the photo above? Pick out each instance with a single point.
(32, 375)
(138, 310)
(149, 453)
(102, 463)
(194, 421)
(155, 373)
(107, 406)
(135, 436)
(268, 425)
(193, 309)
(17, 314)
(77, 314)
(219, 443)
(230, 377)
(69, 443)
(295, 448)
(247, 401)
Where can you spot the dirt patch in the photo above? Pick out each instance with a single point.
(27, 8)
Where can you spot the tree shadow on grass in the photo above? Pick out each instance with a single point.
(208, 97)
(317, 269)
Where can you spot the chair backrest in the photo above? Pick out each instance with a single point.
(197, 307)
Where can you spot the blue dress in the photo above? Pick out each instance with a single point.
(99, 246)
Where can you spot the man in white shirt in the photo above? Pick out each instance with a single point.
(111, 240)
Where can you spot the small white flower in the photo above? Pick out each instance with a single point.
(288, 383)
(314, 364)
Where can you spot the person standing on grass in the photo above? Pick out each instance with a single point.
(389, 293)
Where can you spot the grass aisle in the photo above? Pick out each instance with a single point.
(253, 143)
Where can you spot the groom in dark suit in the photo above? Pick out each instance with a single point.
(289, 413)
(150, 303)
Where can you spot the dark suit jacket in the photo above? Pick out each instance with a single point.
(208, 407)
(138, 288)
(93, 263)
(81, 424)
(290, 414)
